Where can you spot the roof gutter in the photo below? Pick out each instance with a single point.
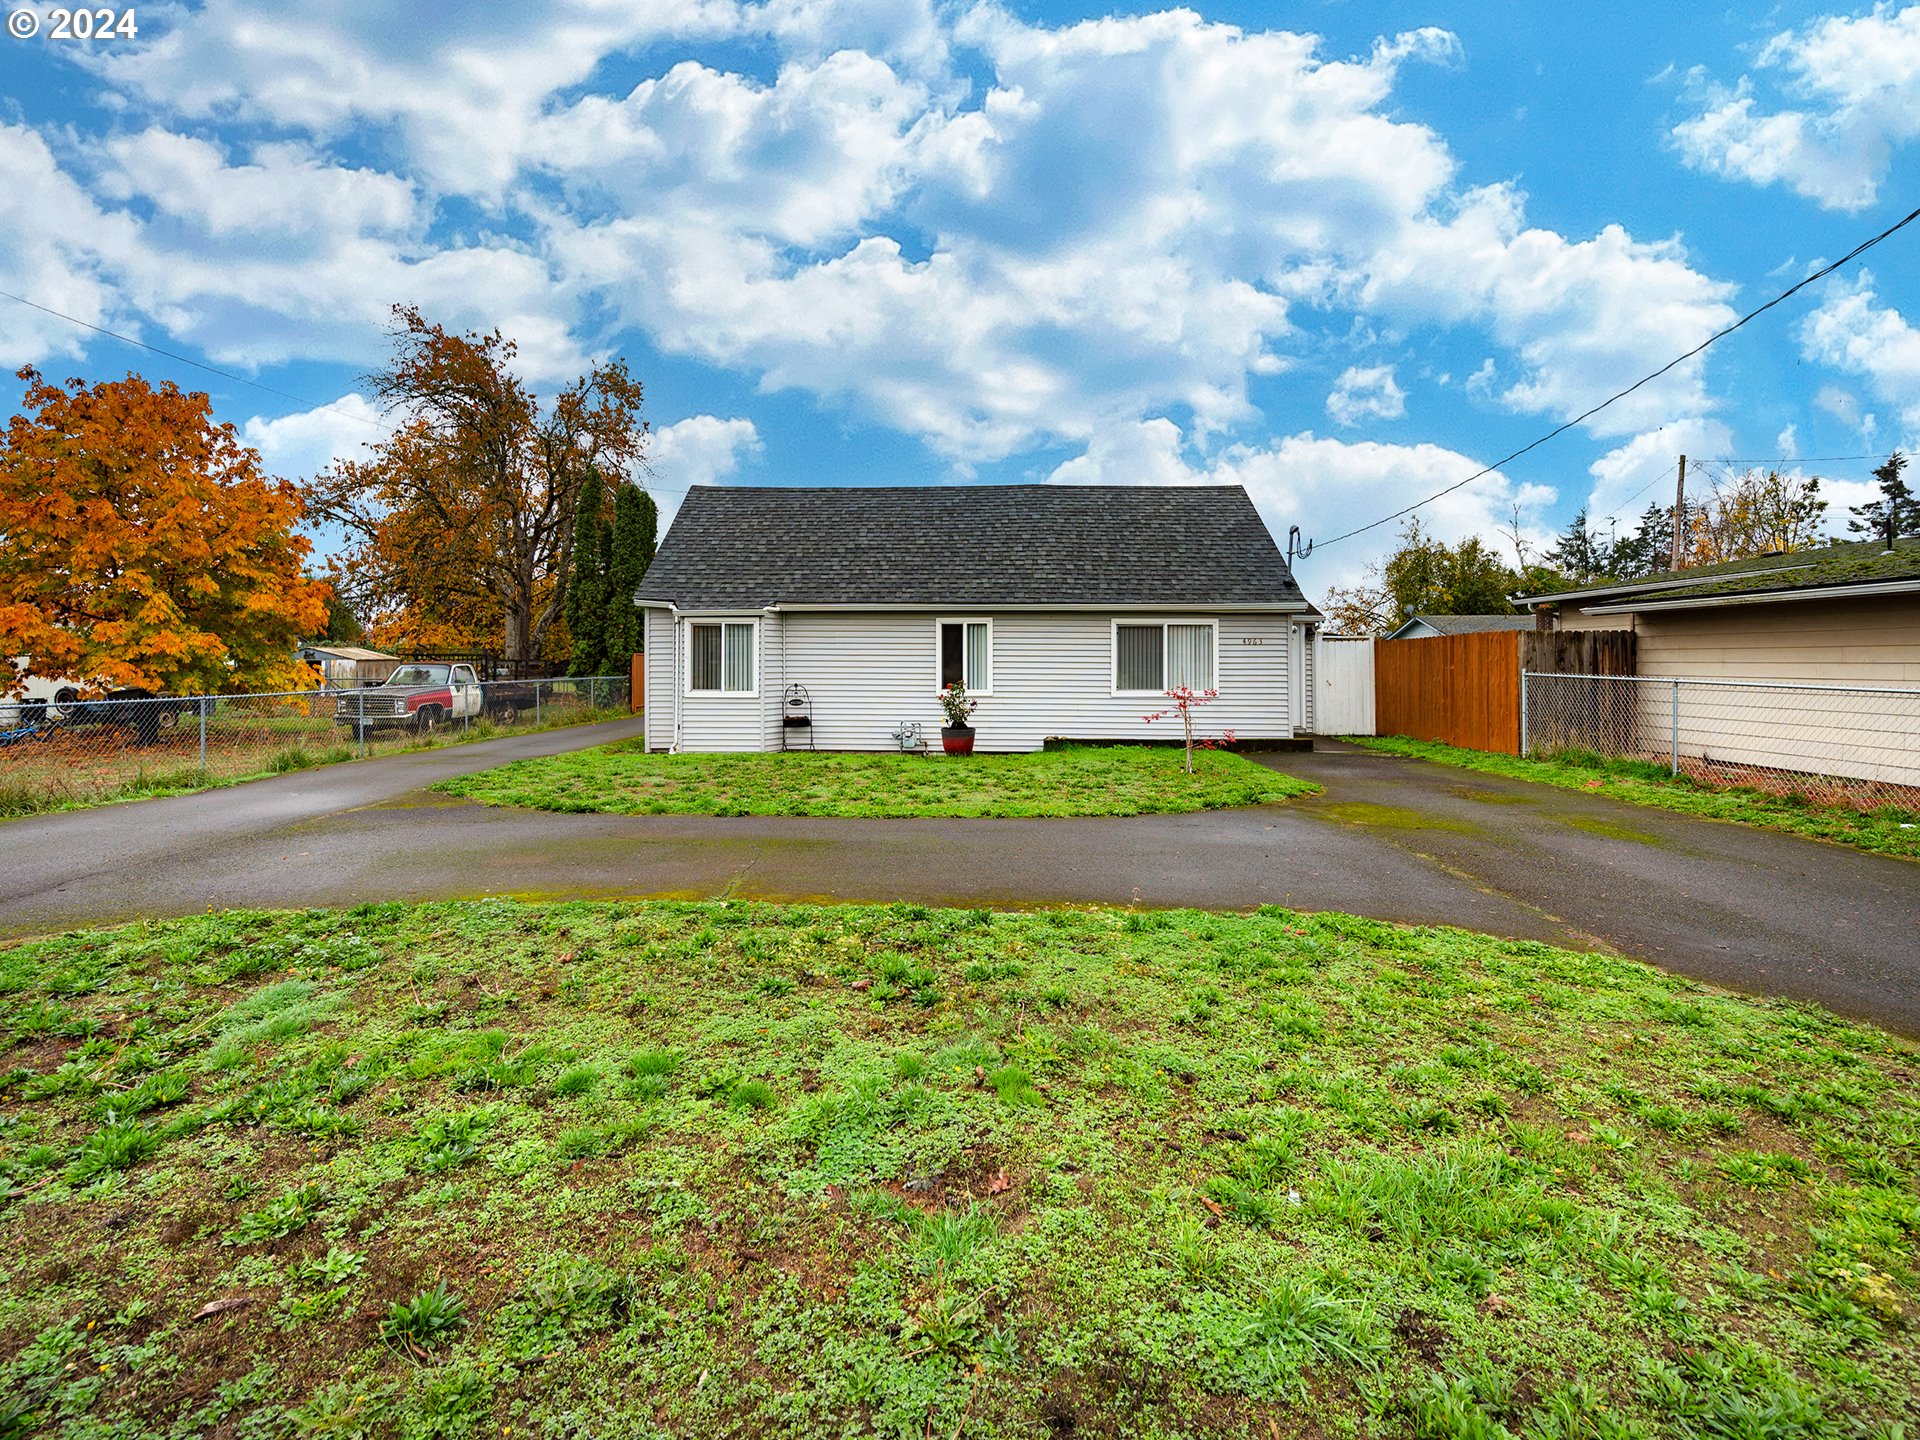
(1764, 597)
(1283, 607)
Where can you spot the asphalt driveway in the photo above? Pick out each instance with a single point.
(1394, 838)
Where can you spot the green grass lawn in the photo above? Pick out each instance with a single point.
(485, 1170)
(1120, 780)
(1889, 831)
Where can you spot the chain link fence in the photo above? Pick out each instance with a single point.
(54, 754)
(1831, 744)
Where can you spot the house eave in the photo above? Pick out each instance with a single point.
(1222, 607)
(1762, 597)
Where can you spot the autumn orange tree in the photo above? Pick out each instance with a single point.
(460, 524)
(1753, 513)
(141, 545)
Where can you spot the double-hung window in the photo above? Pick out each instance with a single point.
(720, 659)
(1151, 657)
(964, 654)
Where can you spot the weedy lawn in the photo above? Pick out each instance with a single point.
(743, 1170)
(1890, 830)
(102, 766)
(1119, 780)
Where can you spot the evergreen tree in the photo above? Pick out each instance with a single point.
(1896, 498)
(1648, 549)
(1580, 554)
(586, 584)
(632, 539)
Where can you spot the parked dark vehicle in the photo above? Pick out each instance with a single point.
(140, 711)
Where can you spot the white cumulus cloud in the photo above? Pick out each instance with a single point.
(699, 450)
(301, 445)
(1851, 85)
(1369, 393)
(1326, 486)
(1851, 332)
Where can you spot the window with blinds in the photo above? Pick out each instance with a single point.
(966, 654)
(1155, 656)
(720, 658)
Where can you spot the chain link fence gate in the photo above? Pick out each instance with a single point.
(1832, 744)
(53, 754)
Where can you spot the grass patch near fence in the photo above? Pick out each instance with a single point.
(1081, 780)
(705, 1169)
(1887, 831)
(33, 784)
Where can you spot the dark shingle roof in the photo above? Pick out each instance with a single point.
(1846, 562)
(1474, 624)
(739, 547)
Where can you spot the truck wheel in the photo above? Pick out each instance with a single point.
(506, 712)
(428, 720)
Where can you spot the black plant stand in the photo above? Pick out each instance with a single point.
(796, 719)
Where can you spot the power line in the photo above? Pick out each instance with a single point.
(1621, 512)
(1821, 273)
(1801, 459)
(241, 379)
(210, 369)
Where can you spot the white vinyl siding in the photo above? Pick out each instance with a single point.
(723, 719)
(1052, 675)
(772, 684)
(1151, 657)
(663, 684)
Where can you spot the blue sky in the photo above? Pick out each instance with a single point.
(1342, 254)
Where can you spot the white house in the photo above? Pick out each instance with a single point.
(1066, 610)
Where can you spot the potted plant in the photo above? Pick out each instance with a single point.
(956, 736)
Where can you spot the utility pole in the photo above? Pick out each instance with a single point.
(1679, 513)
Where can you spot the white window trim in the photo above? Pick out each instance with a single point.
(993, 663)
(686, 677)
(1113, 650)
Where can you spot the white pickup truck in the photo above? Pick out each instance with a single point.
(420, 695)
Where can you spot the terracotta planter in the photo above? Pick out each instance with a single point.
(956, 739)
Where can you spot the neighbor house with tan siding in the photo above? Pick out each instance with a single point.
(1067, 611)
(1829, 636)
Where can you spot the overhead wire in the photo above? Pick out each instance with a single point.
(1620, 513)
(1721, 334)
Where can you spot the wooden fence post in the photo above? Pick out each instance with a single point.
(637, 685)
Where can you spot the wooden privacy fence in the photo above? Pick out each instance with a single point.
(1460, 689)
(1465, 689)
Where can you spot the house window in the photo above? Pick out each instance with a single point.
(721, 658)
(965, 654)
(1154, 656)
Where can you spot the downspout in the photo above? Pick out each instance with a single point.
(679, 626)
(772, 612)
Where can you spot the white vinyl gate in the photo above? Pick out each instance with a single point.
(1343, 688)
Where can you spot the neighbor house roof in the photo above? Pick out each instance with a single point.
(347, 652)
(959, 546)
(1846, 567)
(1464, 624)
